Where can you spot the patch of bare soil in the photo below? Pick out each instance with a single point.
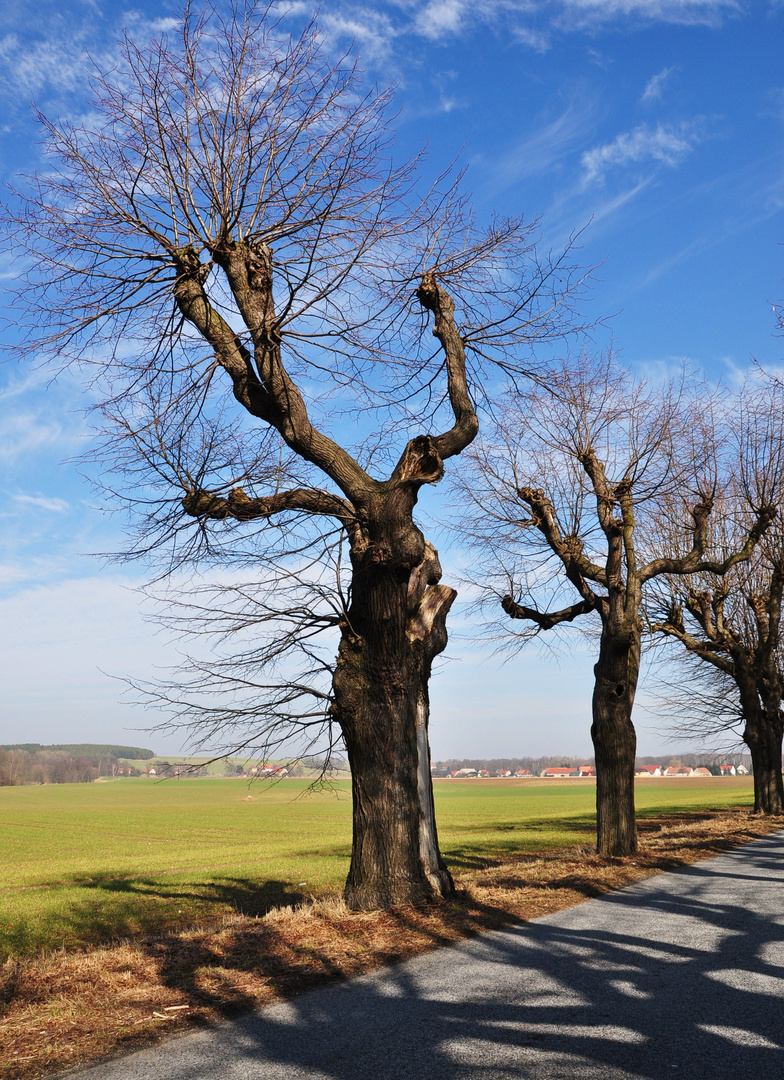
(71, 1008)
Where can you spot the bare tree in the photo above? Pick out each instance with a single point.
(733, 623)
(569, 497)
(229, 248)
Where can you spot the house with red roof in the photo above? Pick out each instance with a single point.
(648, 770)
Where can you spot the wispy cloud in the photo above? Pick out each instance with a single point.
(655, 86)
(535, 39)
(30, 66)
(530, 22)
(441, 18)
(372, 32)
(766, 203)
(664, 144)
(544, 149)
(617, 202)
(25, 433)
(585, 14)
(57, 506)
(54, 57)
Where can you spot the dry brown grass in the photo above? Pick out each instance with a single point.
(71, 1008)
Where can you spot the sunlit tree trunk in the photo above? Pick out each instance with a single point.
(615, 743)
(763, 736)
(394, 628)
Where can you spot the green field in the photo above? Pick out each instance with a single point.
(90, 863)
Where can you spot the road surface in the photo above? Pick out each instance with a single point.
(680, 975)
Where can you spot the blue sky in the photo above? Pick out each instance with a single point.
(657, 126)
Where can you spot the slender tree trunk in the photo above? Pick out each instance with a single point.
(763, 736)
(395, 626)
(615, 742)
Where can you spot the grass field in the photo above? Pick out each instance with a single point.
(88, 864)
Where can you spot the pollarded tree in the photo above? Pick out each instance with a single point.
(569, 497)
(734, 626)
(228, 247)
(733, 623)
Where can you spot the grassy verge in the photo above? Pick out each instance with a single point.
(515, 857)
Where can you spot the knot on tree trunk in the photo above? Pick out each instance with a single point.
(509, 606)
(259, 267)
(427, 293)
(188, 263)
(428, 603)
(434, 299)
(420, 462)
(205, 504)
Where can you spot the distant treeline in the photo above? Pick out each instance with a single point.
(84, 750)
(535, 765)
(694, 761)
(55, 767)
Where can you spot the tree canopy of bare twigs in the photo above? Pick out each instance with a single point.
(568, 500)
(228, 248)
(733, 623)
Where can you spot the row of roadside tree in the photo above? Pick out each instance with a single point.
(291, 335)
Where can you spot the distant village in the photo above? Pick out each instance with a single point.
(562, 772)
(258, 772)
(32, 763)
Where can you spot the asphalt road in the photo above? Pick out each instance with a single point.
(681, 975)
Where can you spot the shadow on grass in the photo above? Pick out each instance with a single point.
(105, 908)
(242, 895)
(229, 973)
(497, 841)
(97, 909)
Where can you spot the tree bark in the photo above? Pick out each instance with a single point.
(615, 743)
(395, 626)
(763, 736)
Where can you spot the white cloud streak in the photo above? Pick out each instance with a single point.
(655, 86)
(56, 58)
(29, 432)
(530, 22)
(662, 144)
(441, 18)
(546, 147)
(372, 31)
(585, 14)
(41, 502)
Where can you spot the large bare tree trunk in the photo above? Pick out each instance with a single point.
(395, 626)
(615, 743)
(763, 738)
(762, 733)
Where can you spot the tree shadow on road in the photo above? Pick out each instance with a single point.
(679, 975)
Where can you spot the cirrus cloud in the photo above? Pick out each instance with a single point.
(584, 14)
(531, 22)
(654, 88)
(663, 144)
